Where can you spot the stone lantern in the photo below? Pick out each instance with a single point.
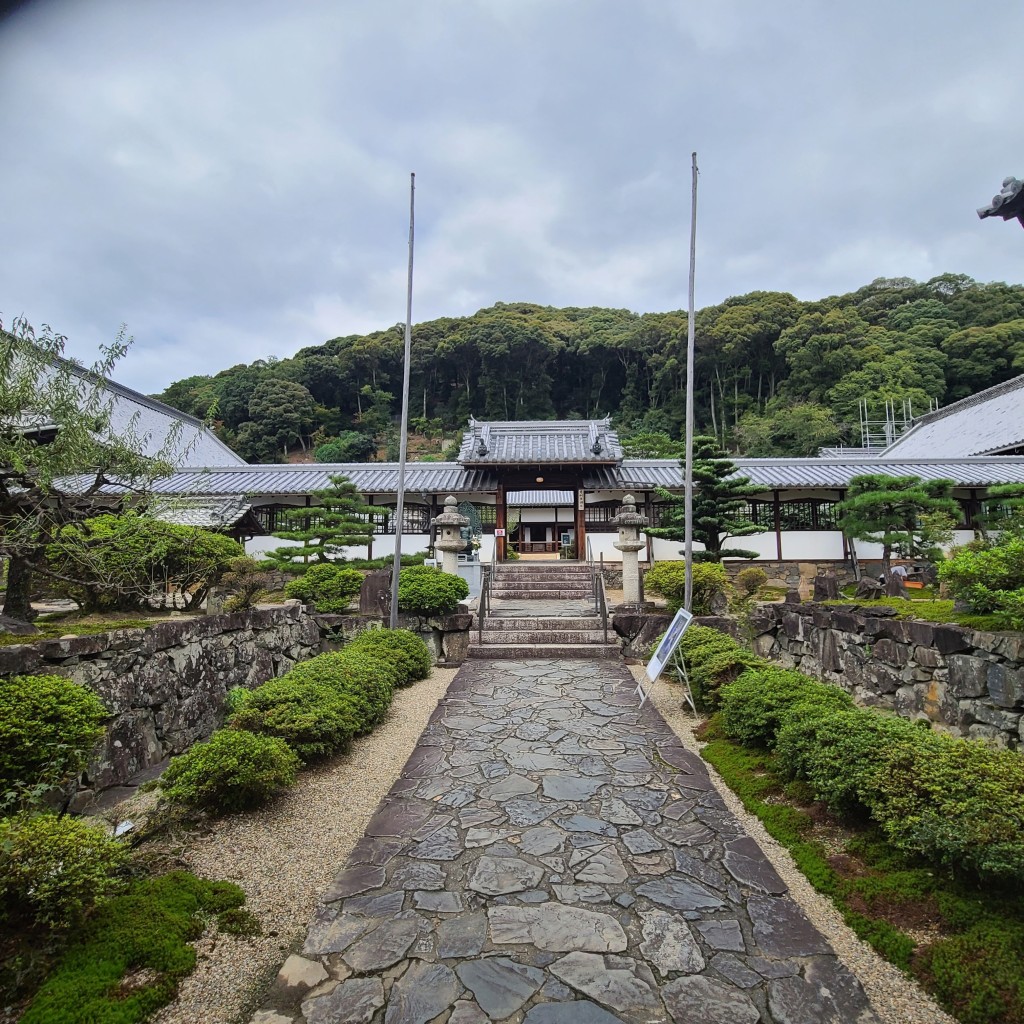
(448, 539)
(630, 523)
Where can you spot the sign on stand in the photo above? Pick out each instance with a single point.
(665, 653)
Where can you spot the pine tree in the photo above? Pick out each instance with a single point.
(719, 501)
(902, 513)
(339, 519)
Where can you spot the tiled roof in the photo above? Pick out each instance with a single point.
(213, 513)
(630, 475)
(539, 499)
(531, 442)
(990, 421)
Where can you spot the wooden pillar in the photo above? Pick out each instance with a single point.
(776, 509)
(581, 524)
(373, 530)
(649, 512)
(842, 533)
(499, 521)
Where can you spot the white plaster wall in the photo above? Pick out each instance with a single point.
(383, 544)
(809, 546)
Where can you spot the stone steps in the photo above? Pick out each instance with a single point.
(502, 624)
(517, 652)
(544, 636)
(541, 595)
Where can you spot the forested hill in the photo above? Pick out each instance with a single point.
(773, 375)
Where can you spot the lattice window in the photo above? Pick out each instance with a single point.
(415, 520)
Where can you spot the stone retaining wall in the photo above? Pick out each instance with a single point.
(967, 682)
(164, 686)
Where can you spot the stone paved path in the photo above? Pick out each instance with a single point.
(552, 855)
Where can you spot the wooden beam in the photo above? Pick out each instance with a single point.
(581, 523)
(499, 521)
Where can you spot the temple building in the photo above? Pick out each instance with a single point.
(547, 489)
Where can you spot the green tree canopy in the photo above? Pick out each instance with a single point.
(719, 500)
(59, 451)
(320, 533)
(902, 513)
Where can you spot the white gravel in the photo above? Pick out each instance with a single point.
(286, 856)
(896, 998)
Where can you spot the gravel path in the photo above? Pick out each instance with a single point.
(896, 998)
(286, 856)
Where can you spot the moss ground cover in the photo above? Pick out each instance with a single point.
(128, 960)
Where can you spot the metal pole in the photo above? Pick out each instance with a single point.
(688, 475)
(404, 437)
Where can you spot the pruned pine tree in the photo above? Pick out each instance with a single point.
(61, 459)
(905, 514)
(338, 519)
(720, 499)
(1004, 509)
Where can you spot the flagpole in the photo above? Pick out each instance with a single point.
(403, 444)
(688, 474)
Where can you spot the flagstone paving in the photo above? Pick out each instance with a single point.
(552, 855)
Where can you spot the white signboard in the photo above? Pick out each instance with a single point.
(499, 533)
(667, 647)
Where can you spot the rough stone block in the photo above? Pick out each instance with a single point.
(19, 659)
(1007, 721)
(991, 735)
(968, 676)
(927, 657)
(950, 639)
(891, 653)
(1005, 686)
(73, 647)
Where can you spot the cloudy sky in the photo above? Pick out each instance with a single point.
(230, 178)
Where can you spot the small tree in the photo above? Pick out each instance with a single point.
(338, 520)
(718, 502)
(905, 514)
(59, 452)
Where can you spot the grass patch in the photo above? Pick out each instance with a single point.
(928, 609)
(55, 628)
(127, 961)
(965, 945)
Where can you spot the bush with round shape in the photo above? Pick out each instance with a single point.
(755, 705)
(313, 718)
(401, 648)
(233, 770)
(957, 802)
(710, 584)
(712, 673)
(990, 579)
(48, 728)
(54, 870)
(330, 587)
(837, 750)
(363, 684)
(699, 643)
(425, 590)
(748, 582)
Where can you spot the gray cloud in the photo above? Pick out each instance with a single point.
(231, 179)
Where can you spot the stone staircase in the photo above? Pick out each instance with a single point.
(542, 610)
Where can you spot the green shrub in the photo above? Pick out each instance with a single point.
(702, 642)
(48, 728)
(748, 582)
(401, 648)
(55, 869)
(330, 587)
(990, 579)
(710, 583)
(957, 802)
(123, 561)
(246, 581)
(837, 750)
(235, 698)
(755, 705)
(144, 934)
(361, 686)
(710, 674)
(231, 771)
(425, 590)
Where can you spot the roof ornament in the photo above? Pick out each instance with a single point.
(485, 436)
(595, 438)
(1009, 204)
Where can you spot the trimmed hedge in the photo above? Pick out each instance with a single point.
(231, 771)
(48, 728)
(330, 587)
(957, 803)
(401, 648)
(756, 704)
(54, 870)
(710, 583)
(426, 590)
(363, 683)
